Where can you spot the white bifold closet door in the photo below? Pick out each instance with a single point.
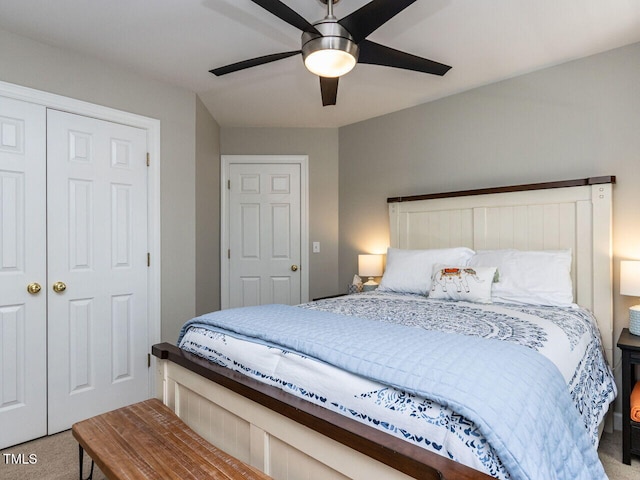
(97, 252)
(73, 200)
(23, 249)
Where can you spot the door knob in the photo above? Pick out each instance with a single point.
(59, 287)
(33, 288)
(294, 268)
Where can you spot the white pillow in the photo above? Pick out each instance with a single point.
(472, 284)
(409, 271)
(529, 277)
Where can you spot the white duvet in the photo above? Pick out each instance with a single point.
(567, 336)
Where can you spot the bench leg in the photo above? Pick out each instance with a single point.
(81, 454)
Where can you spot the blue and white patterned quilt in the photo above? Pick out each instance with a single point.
(419, 402)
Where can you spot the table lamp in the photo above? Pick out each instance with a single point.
(370, 265)
(630, 285)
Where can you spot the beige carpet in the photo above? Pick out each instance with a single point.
(610, 453)
(57, 459)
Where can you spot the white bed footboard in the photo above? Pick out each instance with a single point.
(261, 437)
(284, 436)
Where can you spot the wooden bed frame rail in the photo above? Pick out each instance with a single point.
(394, 457)
(579, 182)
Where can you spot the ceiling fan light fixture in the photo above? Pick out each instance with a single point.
(332, 47)
(330, 63)
(331, 55)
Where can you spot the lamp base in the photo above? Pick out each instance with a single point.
(634, 320)
(369, 286)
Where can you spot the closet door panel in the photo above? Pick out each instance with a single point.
(97, 217)
(23, 368)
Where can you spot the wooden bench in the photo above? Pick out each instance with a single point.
(148, 441)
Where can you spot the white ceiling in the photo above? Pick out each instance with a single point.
(179, 41)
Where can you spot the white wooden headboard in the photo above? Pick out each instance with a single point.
(572, 214)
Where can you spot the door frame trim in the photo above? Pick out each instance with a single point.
(225, 163)
(152, 127)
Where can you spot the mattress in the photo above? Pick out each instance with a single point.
(568, 337)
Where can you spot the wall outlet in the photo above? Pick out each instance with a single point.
(316, 247)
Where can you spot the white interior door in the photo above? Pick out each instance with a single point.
(264, 234)
(97, 260)
(23, 316)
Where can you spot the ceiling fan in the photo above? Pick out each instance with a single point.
(332, 47)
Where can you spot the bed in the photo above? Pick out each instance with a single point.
(274, 405)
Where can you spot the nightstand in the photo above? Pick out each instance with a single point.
(630, 346)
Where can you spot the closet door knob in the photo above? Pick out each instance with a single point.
(59, 287)
(33, 288)
(294, 268)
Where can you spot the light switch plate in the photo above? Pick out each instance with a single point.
(316, 247)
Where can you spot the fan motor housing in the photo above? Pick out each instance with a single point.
(334, 37)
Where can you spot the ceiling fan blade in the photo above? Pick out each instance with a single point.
(254, 62)
(376, 54)
(283, 12)
(371, 16)
(329, 90)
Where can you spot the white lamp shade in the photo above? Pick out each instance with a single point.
(370, 265)
(630, 278)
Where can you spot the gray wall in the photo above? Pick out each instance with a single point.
(575, 120)
(32, 64)
(207, 211)
(321, 145)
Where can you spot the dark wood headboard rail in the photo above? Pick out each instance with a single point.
(512, 188)
(398, 454)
